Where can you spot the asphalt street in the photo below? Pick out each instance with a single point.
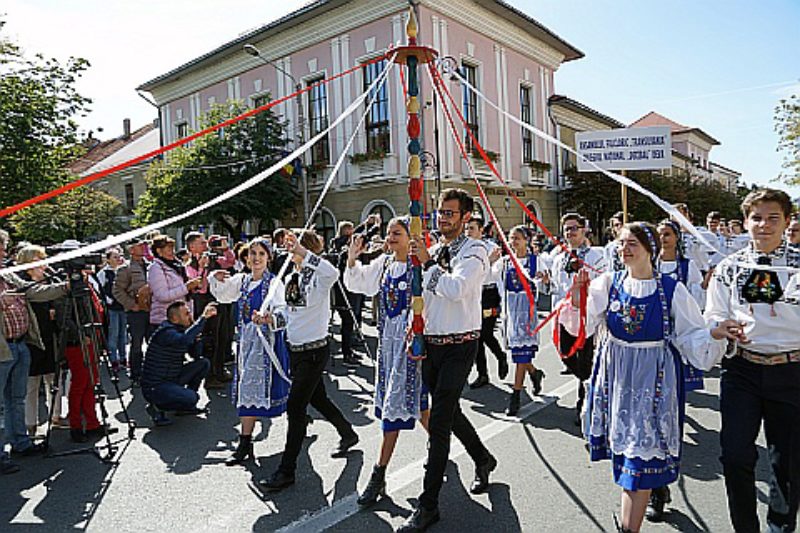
(174, 478)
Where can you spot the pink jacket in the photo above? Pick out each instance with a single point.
(167, 286)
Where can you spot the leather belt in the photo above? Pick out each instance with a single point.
(307, 347)
(454, 338)
(769, 360)
(16, 340)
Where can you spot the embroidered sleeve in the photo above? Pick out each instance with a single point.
(434, 275)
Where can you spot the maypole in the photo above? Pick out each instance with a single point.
(411, 56)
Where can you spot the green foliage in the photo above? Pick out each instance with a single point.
(540, 166)
(38, 131)
(367, 156)
(194, 174)
(77, 214)
(787, 124)
(597, 197)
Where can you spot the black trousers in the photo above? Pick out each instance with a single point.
(308, 386)
(750, 394)
(445, 372)
(488, 339)
(347, 330)
(580, 364)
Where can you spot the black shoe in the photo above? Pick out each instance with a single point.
(7, 466)
(344, 445)
(277, 481)
(619, 527)
(479, 382)
(77, 435)
(34, 449)
(194, 411)
(375, 488)
(420, 520)
(502, 369)
(244, 451)
(159, 417)
(536, 378)
(351, 361)
(481, 482)
(513, 403)
(659, 498)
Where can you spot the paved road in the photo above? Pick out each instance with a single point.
(173, 478)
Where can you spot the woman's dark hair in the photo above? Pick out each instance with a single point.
(258, 241)
(647, 235)
(402, 221)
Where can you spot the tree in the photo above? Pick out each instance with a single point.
(787, 124)
(38, 132)
(77, 214)
(598, 197)
(211, 165)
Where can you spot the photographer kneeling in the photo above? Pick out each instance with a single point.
(168, 381)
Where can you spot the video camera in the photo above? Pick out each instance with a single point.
(72, 269)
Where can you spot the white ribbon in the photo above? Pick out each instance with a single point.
(258, 178)
(276, 364)
(666, 206)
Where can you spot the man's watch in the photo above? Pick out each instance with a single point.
(428, 264)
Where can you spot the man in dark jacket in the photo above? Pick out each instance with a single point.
(168, 381)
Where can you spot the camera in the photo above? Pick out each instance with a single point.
(573, 265)
(72, 270)
(368, 232)
(215, 242)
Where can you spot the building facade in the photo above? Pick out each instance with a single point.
(507, 55)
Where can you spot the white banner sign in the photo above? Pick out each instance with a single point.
(625, 149)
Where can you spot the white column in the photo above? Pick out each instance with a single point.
(166, 126)
(506, 150)
(346, 99)
(449, 152)
(335, 95)
(400, 138)
(501, 130)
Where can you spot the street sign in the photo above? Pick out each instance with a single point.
(648, 148)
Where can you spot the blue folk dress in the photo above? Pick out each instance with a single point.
(400, 393)
(692, 376)
(635, 404)
(520, 317)
(260, 388)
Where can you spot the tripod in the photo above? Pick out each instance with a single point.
(87, 323)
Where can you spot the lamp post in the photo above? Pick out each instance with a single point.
(252, 50)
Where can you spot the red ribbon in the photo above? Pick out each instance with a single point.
(580, 341)
(180, 142)
(440, 81)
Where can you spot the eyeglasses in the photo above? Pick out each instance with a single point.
(568, 229)
(447, 213)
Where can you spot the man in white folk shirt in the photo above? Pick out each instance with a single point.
(563, 269)
(452, 280)
(308, 289)
(760, 378)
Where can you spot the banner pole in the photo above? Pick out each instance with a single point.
(624, 199)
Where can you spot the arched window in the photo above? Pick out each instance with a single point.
(534, 208)
(325, 225)
(382, 208)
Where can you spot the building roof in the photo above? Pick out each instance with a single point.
(319, 7)
(143, 144)
(98, 151)
(713, 164)
(654, 119)
(578, 107)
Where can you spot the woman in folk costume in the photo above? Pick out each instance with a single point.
(261, 382)
(520, 312)
(400, 398)
(634, 411)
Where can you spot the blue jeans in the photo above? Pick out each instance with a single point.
(181, 395)
(117, 335)
(13, 387)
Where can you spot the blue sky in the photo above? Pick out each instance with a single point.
(720, 65)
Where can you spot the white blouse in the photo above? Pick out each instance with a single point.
(230, 290)
(694, 283)
(690, 334)
(366, 279)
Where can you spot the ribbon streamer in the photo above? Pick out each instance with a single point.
(258, 178)
(666, 206)
(102, 173)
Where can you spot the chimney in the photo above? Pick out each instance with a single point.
(126, 128)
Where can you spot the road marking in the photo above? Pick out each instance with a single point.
(346, 507)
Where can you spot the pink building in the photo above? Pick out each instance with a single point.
(509, 56)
